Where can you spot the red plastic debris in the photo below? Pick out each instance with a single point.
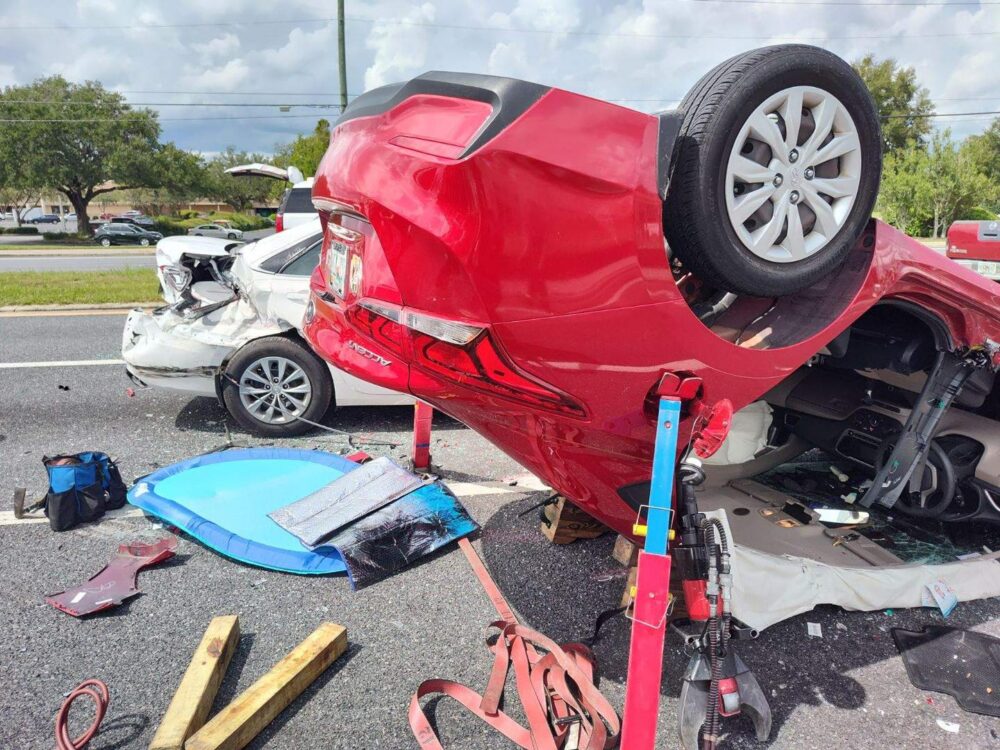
(116, 581)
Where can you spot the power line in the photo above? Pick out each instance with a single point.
(930, 115)
(568, 32)
(286, 117)
(915, 3)
(232, 93)
(332, 105)
(329, 105)
(164, 119)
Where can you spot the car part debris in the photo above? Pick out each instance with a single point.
(191, 704)
(256, 707)
(316, 517)
(116, 581)
(561, 702)
(94, 690)
(961, 663)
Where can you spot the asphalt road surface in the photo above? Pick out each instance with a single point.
(845, 690)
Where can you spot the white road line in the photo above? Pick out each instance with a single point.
(460, 489)
(7, 516)
(62, 363)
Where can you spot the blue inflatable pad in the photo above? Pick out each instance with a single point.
(222, 500)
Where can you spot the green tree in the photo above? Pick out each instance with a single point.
(306, 151)
(79, 139)
(926, 188)
(899, 99)
(984, 152)
(956, 184)
(904, 195)
(184, 177)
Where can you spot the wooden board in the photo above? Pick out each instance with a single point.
(243, 719)
(192, 702)
(625, 551)
(565, 523)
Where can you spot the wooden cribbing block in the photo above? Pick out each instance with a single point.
(191, 703)
(243, 719)
(565, 523)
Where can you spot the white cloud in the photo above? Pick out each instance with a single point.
(400, 46)
(227, 77)
(219, 48)
(644, 52)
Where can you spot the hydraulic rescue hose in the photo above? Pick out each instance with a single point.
(97, 692)
(719, 583)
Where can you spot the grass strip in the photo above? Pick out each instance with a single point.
(78, 287)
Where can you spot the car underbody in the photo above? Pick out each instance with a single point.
(548, 331)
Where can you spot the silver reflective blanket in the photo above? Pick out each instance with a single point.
(371, 486)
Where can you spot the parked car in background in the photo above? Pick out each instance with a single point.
(976, 245)
(137, 219)
(234, 330)
(296, 204)
(216, 230)
(125, 234)
(44, 219)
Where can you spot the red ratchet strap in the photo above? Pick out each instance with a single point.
(556, 687)
(96, 691)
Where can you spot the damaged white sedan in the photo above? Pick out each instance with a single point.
(232, 329)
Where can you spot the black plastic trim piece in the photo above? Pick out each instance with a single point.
(509, 97)
(670, 128)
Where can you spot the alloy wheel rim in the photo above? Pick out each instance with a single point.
(275, 390)
(793, 174)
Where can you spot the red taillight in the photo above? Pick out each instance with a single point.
(388, 333)
(481, 365)
(279, 222)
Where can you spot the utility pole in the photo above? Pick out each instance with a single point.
(342, 53)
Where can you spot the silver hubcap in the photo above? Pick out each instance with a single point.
(793, 174)
(275, 390)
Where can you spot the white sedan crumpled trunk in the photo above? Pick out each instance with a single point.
(164, 349)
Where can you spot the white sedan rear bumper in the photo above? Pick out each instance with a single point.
(159, 350)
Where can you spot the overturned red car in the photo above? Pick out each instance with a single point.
(533, 262)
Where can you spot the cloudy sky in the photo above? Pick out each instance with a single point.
(642, 54)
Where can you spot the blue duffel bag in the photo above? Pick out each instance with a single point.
(81, 487)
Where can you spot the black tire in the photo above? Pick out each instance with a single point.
(278, 346)
(231, 236)
(105, 242)
(144, 242)
(696, 222)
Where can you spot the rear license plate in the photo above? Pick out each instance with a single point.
(338, 266)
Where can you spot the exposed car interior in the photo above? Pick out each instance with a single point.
(834, 423)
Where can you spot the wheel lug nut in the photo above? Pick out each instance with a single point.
(793, 197)
(810, 173)
(793, 156)
(778, 179)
